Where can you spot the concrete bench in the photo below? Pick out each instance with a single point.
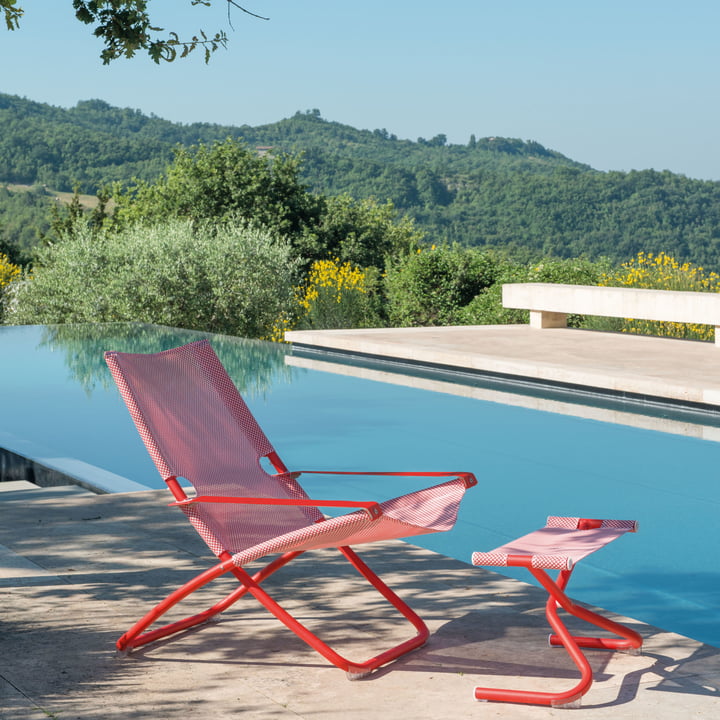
(549, 304)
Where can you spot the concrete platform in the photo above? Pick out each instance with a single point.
(77, 570)
(648, 367)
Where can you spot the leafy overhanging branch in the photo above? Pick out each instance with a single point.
(125, 28)
(12, 13)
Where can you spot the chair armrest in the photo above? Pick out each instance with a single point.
(467, 477)
(372, 508)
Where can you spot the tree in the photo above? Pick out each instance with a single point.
(125, 27)
(224, 180)
(227, 180)
(221, 277)
(362, 232)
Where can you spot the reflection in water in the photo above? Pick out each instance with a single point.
(703, 426)
(253, 365)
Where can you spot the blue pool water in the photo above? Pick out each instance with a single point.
(59, 406)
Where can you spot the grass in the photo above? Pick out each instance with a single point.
(87, 201)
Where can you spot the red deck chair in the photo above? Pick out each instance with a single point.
(561, 544)
(196, 426)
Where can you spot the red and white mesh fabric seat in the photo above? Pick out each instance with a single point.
(560, 545)
(197, 428)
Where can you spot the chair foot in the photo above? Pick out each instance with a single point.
(561, 700)
(572, 705)
(352, 676)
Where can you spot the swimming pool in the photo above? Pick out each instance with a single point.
(59, 407)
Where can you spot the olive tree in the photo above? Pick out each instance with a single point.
(227, 278)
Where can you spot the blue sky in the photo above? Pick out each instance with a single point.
(619, 84)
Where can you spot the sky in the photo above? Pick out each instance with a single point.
(618, 85)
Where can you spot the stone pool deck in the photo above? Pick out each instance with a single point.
(676, 370)
(77, 569)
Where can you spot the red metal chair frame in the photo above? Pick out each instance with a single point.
(139, 634)
(374, 513)
(592, 535)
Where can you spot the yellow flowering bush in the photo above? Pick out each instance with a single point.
(664, 272)
(277, 333)
(329, 280)
(8, 271)
(335, 295)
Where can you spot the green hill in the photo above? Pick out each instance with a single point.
(497, 192)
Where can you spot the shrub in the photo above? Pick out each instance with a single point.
(335, 295)
(487, 307)
(225, 278)
(433, 285)
(9, 272)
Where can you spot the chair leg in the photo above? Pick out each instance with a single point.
(360, 669)
(137, 636)
(353, 669)
(630, 640)
(627, 641)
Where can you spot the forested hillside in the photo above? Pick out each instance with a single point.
(496, 192)
(23, 216)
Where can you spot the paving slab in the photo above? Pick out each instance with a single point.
(101, 561)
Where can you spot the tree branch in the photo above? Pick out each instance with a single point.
(124, 26)
(240, 7)
(13, 13)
